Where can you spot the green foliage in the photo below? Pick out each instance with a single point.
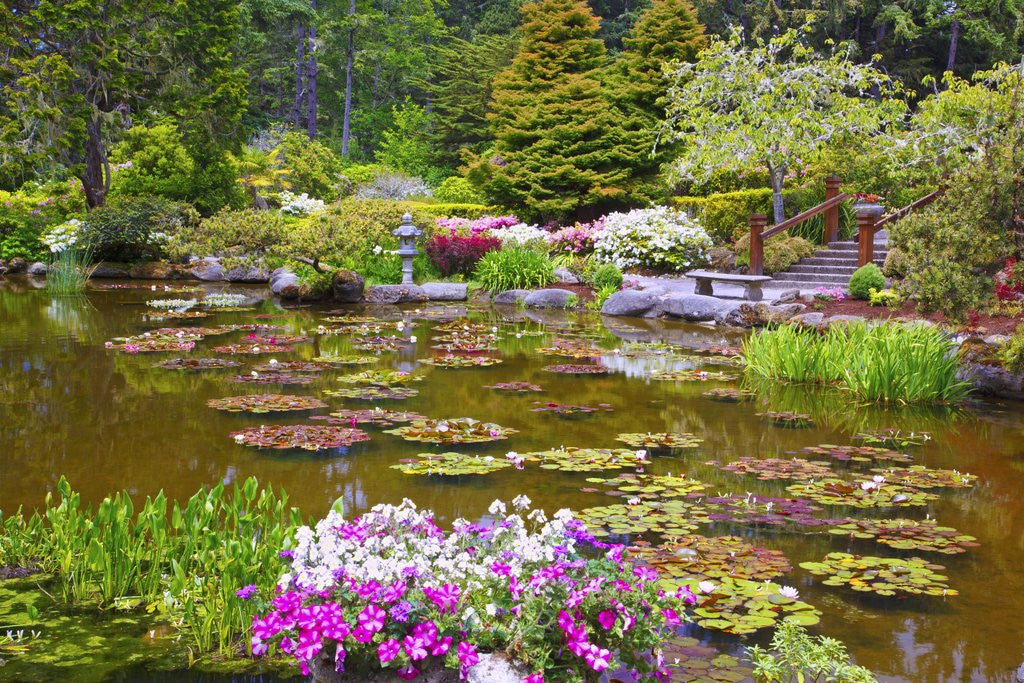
(606, 276)
(312, 166)
(1012, 354)
(889, 362)
(884, 297)
(513, 268)
(559, 146)
(780, 252)
(27, 214)
(406, 144)
(601, 295)
(725, 215)
(458, 190)
(360, 174)
(385, 268)
(864, 279)
(157, 163)
(69, 271)
(896, 265)
(184, 561)
(135, 228)
(795, 656)
(239, 236)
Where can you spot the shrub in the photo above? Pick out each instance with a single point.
(1010, 281)
(884, 297)
(725, 215)
(27, 214)
(244, 236)
(360, 174)
(384, 267)
(794, 655)
(659, 237)
(864, 279)
(136, 228)
(393, 185)
(780, 252)
(889, 362)
(453, 253)
(606, 276)
(406, 145)
(312, 166)
(576, 239)
(514, 268)
(152, 161)
(523, 236)
(458, 190)
(1012, 354)
(300, 205)
(896, 265)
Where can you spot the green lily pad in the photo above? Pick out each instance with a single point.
(893, 438)
(856, 454)
(570, 350)
(922, 477)
(696, 556)
(265, 403)
(274, 378)
(861, 494)
(691, 376)
(305, 366)
(909, 534)
(568, 409)
(350, 359)
(375, 416)
(196, 364)
(688, 660)
(660, 441)
(457, 361)
(460, 430)
(252, 349)
(452, 464)
(305, 437)
(651, 486)
(518, 387)
(571, 459)
(729, 395)
(882, 575)
(383, 378)
(578, 369)
(373, 393)
(773, 469)
(379, 344)
(787, 418)
(740, 606)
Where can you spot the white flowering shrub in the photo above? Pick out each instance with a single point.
(659, 237)
(521, 235)
(300, 205)
(63, 236)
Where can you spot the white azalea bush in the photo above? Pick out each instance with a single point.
(521, 235)
(300, 205)
(63, 236)
(659, 237)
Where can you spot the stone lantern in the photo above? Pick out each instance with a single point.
(407, 234)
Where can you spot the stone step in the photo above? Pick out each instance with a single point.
(819, 278)
(823, 269)
(822, 260)
(852, 246)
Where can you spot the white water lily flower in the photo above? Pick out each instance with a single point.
(273, 361)
(412, 339)
(707, 586)
(789, 592)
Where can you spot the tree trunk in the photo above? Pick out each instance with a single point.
(349, 57)
(954, 42)
(300, 68)
(96, 177)
(778, 207)
(311, 78)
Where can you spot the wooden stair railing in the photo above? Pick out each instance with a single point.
(868, 224)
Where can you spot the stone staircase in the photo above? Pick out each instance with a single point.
(831, 267)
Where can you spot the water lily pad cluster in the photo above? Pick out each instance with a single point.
(774, 469)
(570, 350)
(740, 606)
(379, 344)
(196, 364)
(650, 486)
(691, 375)
(174, 315)
(729, 351)
(252, 348)
(689, 660)
(568, 409)
(882, 575)
(460, 430)
(230, 301)
(909, 534)
(376, 416)
(343, 359)
(729, 395)
(383, 378)
(452, 464)
(349, 319)
(283, 377)
(453, 360)
(465, 342)
(921, 477)
(696, 556)
(660, 441)
(305, 437)
(137, 345)
(265, 403)
(373, 392)
(861, 494)
(366, 328)
(668, 517)
(893, 438)
(463, 325)
(307, 366)
(572, 459)
(517, 387)
(857, 454)
(787, 418)
(579, 369)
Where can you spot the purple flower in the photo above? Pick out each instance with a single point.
(467, 654)
(400, 612)
(441, 647)
(371, 618)
(445, 597)
(597, 657)
(645, 573)
(415, 647)
(388, 650)
(607, 619)
(535, 678)
(246, 592)
(309, 646)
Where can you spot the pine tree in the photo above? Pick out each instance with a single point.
(558, 147)
(667, 31)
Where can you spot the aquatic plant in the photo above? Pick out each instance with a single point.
(701, 557)
(577, 369)
(452, 464)
(459, 430)
(375, 416)
(869, 493)
(882, 575)
(568, 409)
(572, 459)
(69, 271)
(282, 378)
(856, 454)
(457, 361)
(265, 403)
(787, 418)
(649, 486)
(306, 366)
(660, 441)
(794, 656)
(224, 300)
(691, 376)
(887, 362)
(178, 304)
(373, 393)
(351, 359)
(908, 534)
(569, 350)
(740, 606)
(305, 437)
(196, 364)
(892, 438)
(517, 387)
(380, 344)
(729, 395)
(921, 477)
(252, 349)
(688, 659)
(382, 378)
(774, 469)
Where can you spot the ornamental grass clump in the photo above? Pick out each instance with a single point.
(392, 591)
(887, 363)
(514, 268)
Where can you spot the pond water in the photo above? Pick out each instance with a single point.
(108, 420)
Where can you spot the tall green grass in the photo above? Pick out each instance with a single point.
(887, 362)
(514, 268)
(70, 270)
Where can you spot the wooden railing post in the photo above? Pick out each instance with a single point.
(757, 223)
(865, 237)
(832, 184)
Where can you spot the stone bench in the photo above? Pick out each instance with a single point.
(751, 283)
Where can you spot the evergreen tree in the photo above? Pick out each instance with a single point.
(558, 147)
(667, 32)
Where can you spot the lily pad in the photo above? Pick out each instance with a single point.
(463, 325)
(251, 349)
(651, 486)
(452, 464)
(922, 477)
(380, 344)
(351, 359)
(376, 416)
(787, 418)
(518, 387)
(283, 377)
(729, 395)
(882, 575)
(740, 606)
(660, 441)
(265, 403)
(294, 366)
(570, 350)
(567, 409)
(196, 364)
(577, 369)
(688, 660)
(349, 319)
(857, 454)
(909, 534)
(893, 438)
(373, 393)
(861, 494)
(460, 430)
(691, 376)
(773, 469)
(153, 346)
(306, 437)
(571, 459)
(383, 378)
(174, 315)
(457, 361)
(696, 556)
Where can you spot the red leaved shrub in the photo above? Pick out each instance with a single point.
(454, 253)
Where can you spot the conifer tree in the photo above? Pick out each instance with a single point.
(558, 145)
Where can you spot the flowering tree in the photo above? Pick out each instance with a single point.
(772, 104)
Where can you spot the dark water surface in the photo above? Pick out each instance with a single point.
(108, 420)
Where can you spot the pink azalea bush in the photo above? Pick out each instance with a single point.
(576, 239)
(391, 590)
(484, 224)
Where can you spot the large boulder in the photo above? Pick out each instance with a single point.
(347, 286)
(17, 266)
(105, 269)
(631, 302)
(992, 380)
(395, 294)
(446, 291)
(512, 296)
(697, 307)
(152, 270)
(549, 298)
(813, 319)
(760, 314)
(843, 320)
(206, 269)
(37, 269)
(565, 275)
(280, 280)
(247, 274)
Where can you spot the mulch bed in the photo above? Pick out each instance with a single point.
(985, 325)
(584, 292)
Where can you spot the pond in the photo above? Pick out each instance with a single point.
(110, 420)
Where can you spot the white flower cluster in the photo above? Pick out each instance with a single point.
(655, 237)
(520, 234)
(400, 542)
(62, 236)
(300, 205)
(168, 304)
(225, 300)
